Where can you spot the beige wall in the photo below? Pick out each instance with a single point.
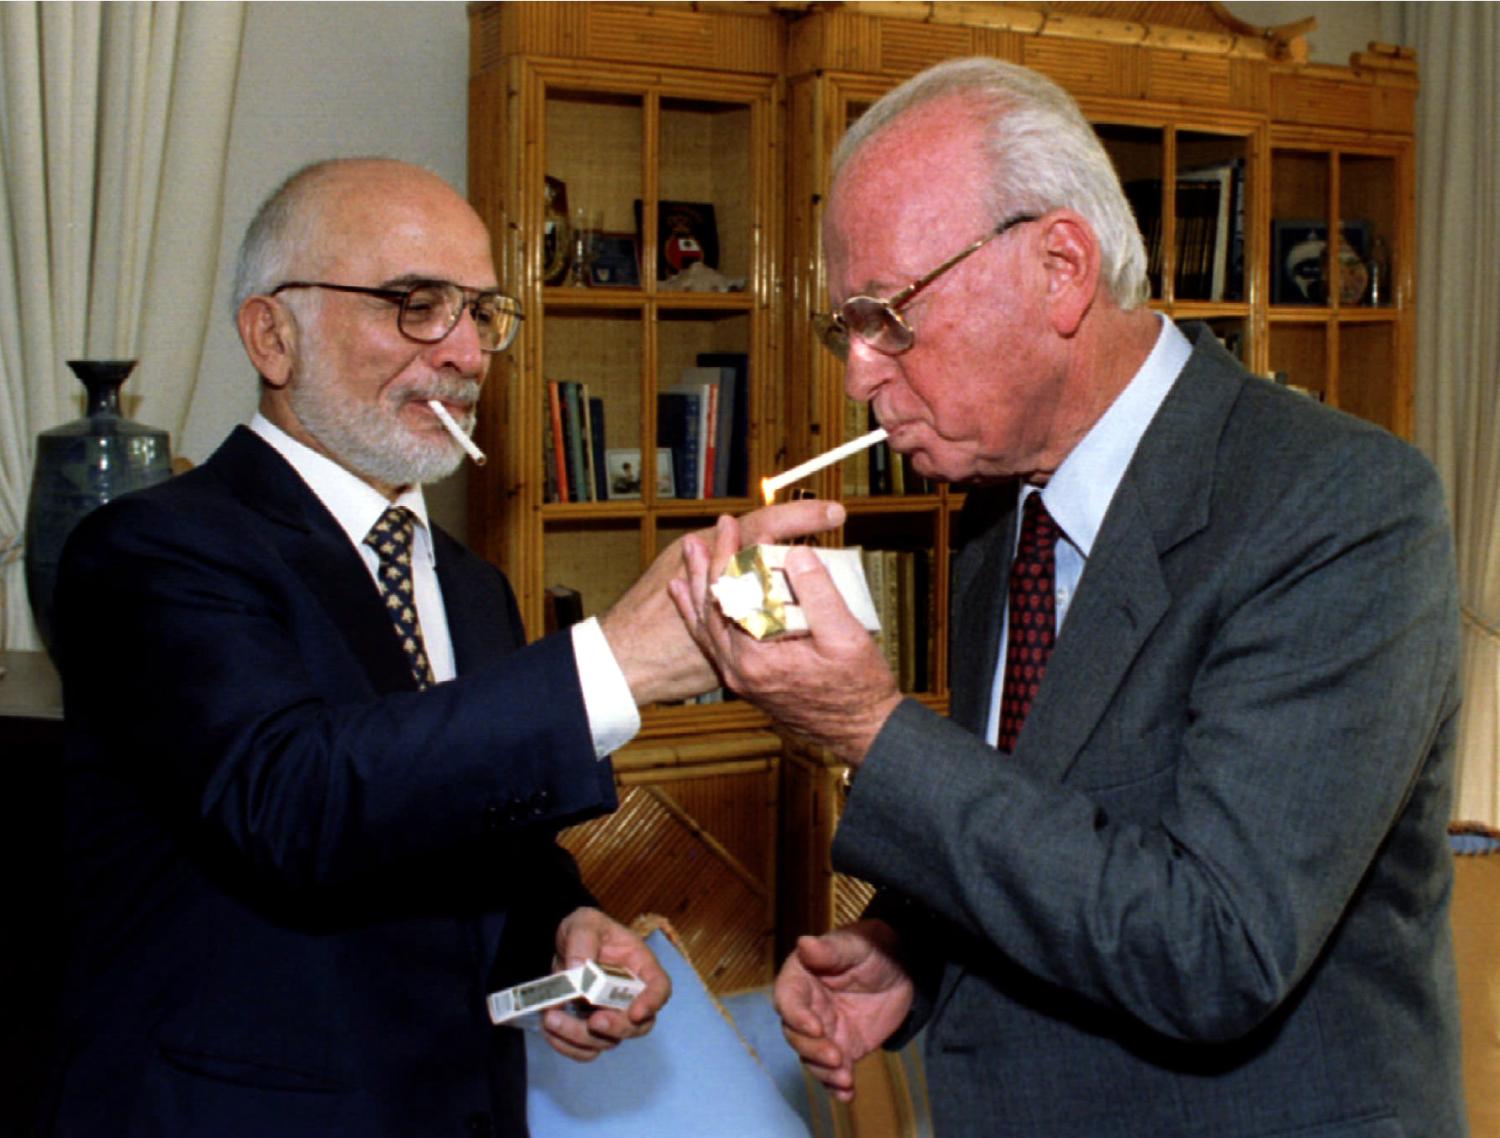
(331, 79)
(319, 81)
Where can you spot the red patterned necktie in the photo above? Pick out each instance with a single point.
(391, 538)
(1033, 618)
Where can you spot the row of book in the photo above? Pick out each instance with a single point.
(702, 419)
(573, 444)
(1210, 245)
(702, 429)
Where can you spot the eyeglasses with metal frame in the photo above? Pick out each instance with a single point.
(427, 310)
(876, 322)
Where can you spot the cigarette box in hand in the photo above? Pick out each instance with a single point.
(754, 591)
(592, 983)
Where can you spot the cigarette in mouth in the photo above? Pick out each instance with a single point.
(769, 486)
(456, 431)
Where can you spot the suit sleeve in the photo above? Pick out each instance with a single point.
(1192, 863)
(204, 679)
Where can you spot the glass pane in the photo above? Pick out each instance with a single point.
(896, 550)
(594, 143)
(1367, 373)
(593, 401)
(1299, 357)
(1367, 212)
(707, 187)
(1234, 335)
(703, 401)
(1210, 216)
(1138, 155)
(598, 560)
(1299, 227)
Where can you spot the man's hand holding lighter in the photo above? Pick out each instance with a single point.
(832, 687)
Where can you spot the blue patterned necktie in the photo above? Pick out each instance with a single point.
(1033, 619)
(391, 538)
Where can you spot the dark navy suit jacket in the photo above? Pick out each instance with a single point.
(1208, 892)
(292, 879)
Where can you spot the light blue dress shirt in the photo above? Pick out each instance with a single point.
(1080, 491)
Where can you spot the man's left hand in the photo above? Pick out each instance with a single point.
(588, 934)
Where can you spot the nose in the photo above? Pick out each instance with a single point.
(865, 370)
(459, 349)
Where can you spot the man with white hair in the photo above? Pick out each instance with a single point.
(1176, 863)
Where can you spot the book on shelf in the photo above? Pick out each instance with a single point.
(677, 426)
(572, 447)
(716, 386)
(719, 382)
(549, 456)
(574, 436)
(596, 448)
(1205, 197)
(900, 583)
(1209, 202)
(732, 467)
(559, 442)
(586, 439)
(856, 468)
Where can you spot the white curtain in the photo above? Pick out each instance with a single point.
(114, 127)
(1458, 342)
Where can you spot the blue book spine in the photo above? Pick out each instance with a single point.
(596, 428)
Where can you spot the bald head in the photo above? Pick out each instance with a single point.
(330, 205)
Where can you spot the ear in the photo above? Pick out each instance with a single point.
(270, 338)
(1071, 254)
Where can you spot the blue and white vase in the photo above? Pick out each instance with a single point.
(80, 466)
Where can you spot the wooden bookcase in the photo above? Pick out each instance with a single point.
(739, 106)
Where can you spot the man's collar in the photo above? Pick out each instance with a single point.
(353, 502)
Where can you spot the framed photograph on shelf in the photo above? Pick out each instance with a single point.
(616, 262)
(1299, 261)
(686, 233)
(623, 468)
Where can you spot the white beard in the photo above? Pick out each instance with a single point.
(371, 439)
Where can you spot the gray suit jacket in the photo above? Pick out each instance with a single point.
(1208, 893)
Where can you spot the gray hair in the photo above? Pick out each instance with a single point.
(285, 224)
(1042, 155)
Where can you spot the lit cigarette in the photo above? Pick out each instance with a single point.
(456, 431)
(769, 486)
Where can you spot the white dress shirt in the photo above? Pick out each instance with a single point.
(1079, 493)
(356, 506)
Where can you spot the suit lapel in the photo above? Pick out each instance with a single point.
(318, 551)
(987, 531)
(1162, 500)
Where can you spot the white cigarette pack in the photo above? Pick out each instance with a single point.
(754, 591)
(600, 985)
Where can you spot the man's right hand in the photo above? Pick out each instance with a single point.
(840, 996)
(645, 632)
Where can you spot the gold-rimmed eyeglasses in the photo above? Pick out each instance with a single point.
(428, 310)
(876, 321)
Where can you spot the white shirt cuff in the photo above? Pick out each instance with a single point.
(613, 717)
